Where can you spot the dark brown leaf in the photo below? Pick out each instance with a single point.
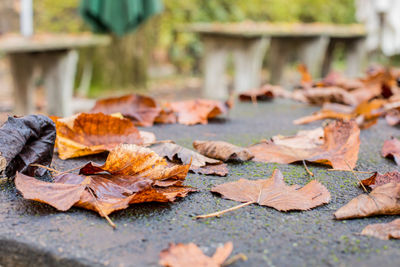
(24, 141)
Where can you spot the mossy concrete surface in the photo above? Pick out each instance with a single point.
(36, 234)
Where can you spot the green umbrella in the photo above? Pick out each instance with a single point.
(118, 16)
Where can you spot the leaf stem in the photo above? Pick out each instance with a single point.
(45, 167)
(365, 189)
(307, 170)
(218, 213)
(99, 208)
(234, 259)
(335, 170)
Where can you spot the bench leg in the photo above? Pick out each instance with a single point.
(328, 59)
(22, 70)
(312, 53)
(278, 55)
(355, 56)
(214, 65)
(59, 74)
(248, 60)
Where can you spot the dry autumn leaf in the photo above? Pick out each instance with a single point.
(339, 149)
(383, 231)
(197, 111)
(199, 164)
(222, 150)
(142, 110)
(378, 179)
(383, 200)
(393, 117)
(267, 92)
(274, 193)
(88, 134)
(366, 114)
(333, 94)
(131, 174)
(24, 141)
(183, 255)
(391, 149)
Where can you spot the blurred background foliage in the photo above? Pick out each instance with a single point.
(125, 63)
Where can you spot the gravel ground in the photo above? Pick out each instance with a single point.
(36, 234)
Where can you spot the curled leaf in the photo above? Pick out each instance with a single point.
(182, 255)
(222, 150)
(339, 149)
(24, 141)
(273, 192)
(199, 164)
(87, 134)
(383, 200)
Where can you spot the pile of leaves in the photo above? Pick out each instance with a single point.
(139, 168)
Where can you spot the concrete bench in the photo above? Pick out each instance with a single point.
(56, 56)
(312, 44)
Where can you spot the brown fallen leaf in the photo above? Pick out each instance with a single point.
(24, 141)
(391, 149)
(383, 200)
(274, 193)
(142, 110)
(266, 92)
(323, 114)
(183, 255)
(131, 174)
(305, 139)
(337, 79)
(366, 114)
(333, 94)
(197, 111)
(393, 117)
(339, 149)
(378, 179)
(222, 150)
(166, 116)
(383, 231)
(87, 134)
(199, 164)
